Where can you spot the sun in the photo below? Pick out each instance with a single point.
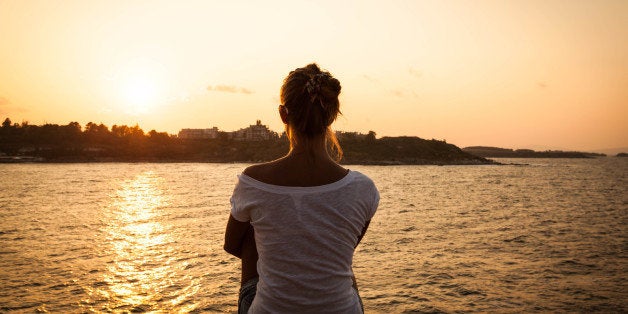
(139, 86)
(139, 95)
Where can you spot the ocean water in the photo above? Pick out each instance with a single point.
(549, 236)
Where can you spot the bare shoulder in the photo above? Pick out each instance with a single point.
(254, 170)
(261, 172)
(286, 172)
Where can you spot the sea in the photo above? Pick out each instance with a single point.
(532, 235)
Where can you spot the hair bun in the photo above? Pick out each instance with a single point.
(313, 86)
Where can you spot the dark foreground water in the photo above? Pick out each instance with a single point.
(547, 237)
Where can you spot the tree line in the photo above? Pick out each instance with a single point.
(122, 143)
(98, 142)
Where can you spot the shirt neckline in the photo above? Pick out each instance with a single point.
(297, 189)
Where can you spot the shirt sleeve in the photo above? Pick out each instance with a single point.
(238, 210)
(374, 202)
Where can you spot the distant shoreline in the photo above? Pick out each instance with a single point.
(51, 143)
(497, 152)
(71, 143)
(37, 160)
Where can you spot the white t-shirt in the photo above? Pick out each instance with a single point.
(305, 239)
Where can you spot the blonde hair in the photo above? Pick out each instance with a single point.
(310, 96)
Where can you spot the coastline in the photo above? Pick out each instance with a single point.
(393, 162)
(356, 151)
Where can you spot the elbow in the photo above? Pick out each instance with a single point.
(231, 250)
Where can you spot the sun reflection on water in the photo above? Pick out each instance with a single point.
(141, 272)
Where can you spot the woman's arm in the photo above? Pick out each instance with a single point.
(366, 226)
(234, 236)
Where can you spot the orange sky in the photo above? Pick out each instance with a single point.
(518, 74)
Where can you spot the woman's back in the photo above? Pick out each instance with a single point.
(295, 221)
(305, 239)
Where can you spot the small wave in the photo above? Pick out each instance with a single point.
(469, 275)
(473, 264)
(517, 239)
(547, 222)
(570, 267)
(441, 276)
(60, 286)
(77, 291)
(375, 297)
(593, 297)
(100, 284)
(572, 263)
(142, 308)
(404, 241)
(465, 292)
(426, 309)
(33, 284)
(24, 306)
(184, 258)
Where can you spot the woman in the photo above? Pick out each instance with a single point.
(303, 213)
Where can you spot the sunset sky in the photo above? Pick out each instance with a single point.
(516, 74)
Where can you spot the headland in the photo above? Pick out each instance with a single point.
(97, 143)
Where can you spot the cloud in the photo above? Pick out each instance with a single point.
(105, 110)
(4, 101)
(415, 73)
(6, 107)
(370, 79)
(229, 89)
(398, 93)
(403, 92)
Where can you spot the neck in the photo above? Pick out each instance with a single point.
(312, 148)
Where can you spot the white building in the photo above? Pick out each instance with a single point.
(199, 133)
(256, 132)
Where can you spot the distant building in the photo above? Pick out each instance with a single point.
(199, 133)
(256, 132)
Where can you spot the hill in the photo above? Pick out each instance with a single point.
(407, 150)
(497, 152)
(98, 143)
